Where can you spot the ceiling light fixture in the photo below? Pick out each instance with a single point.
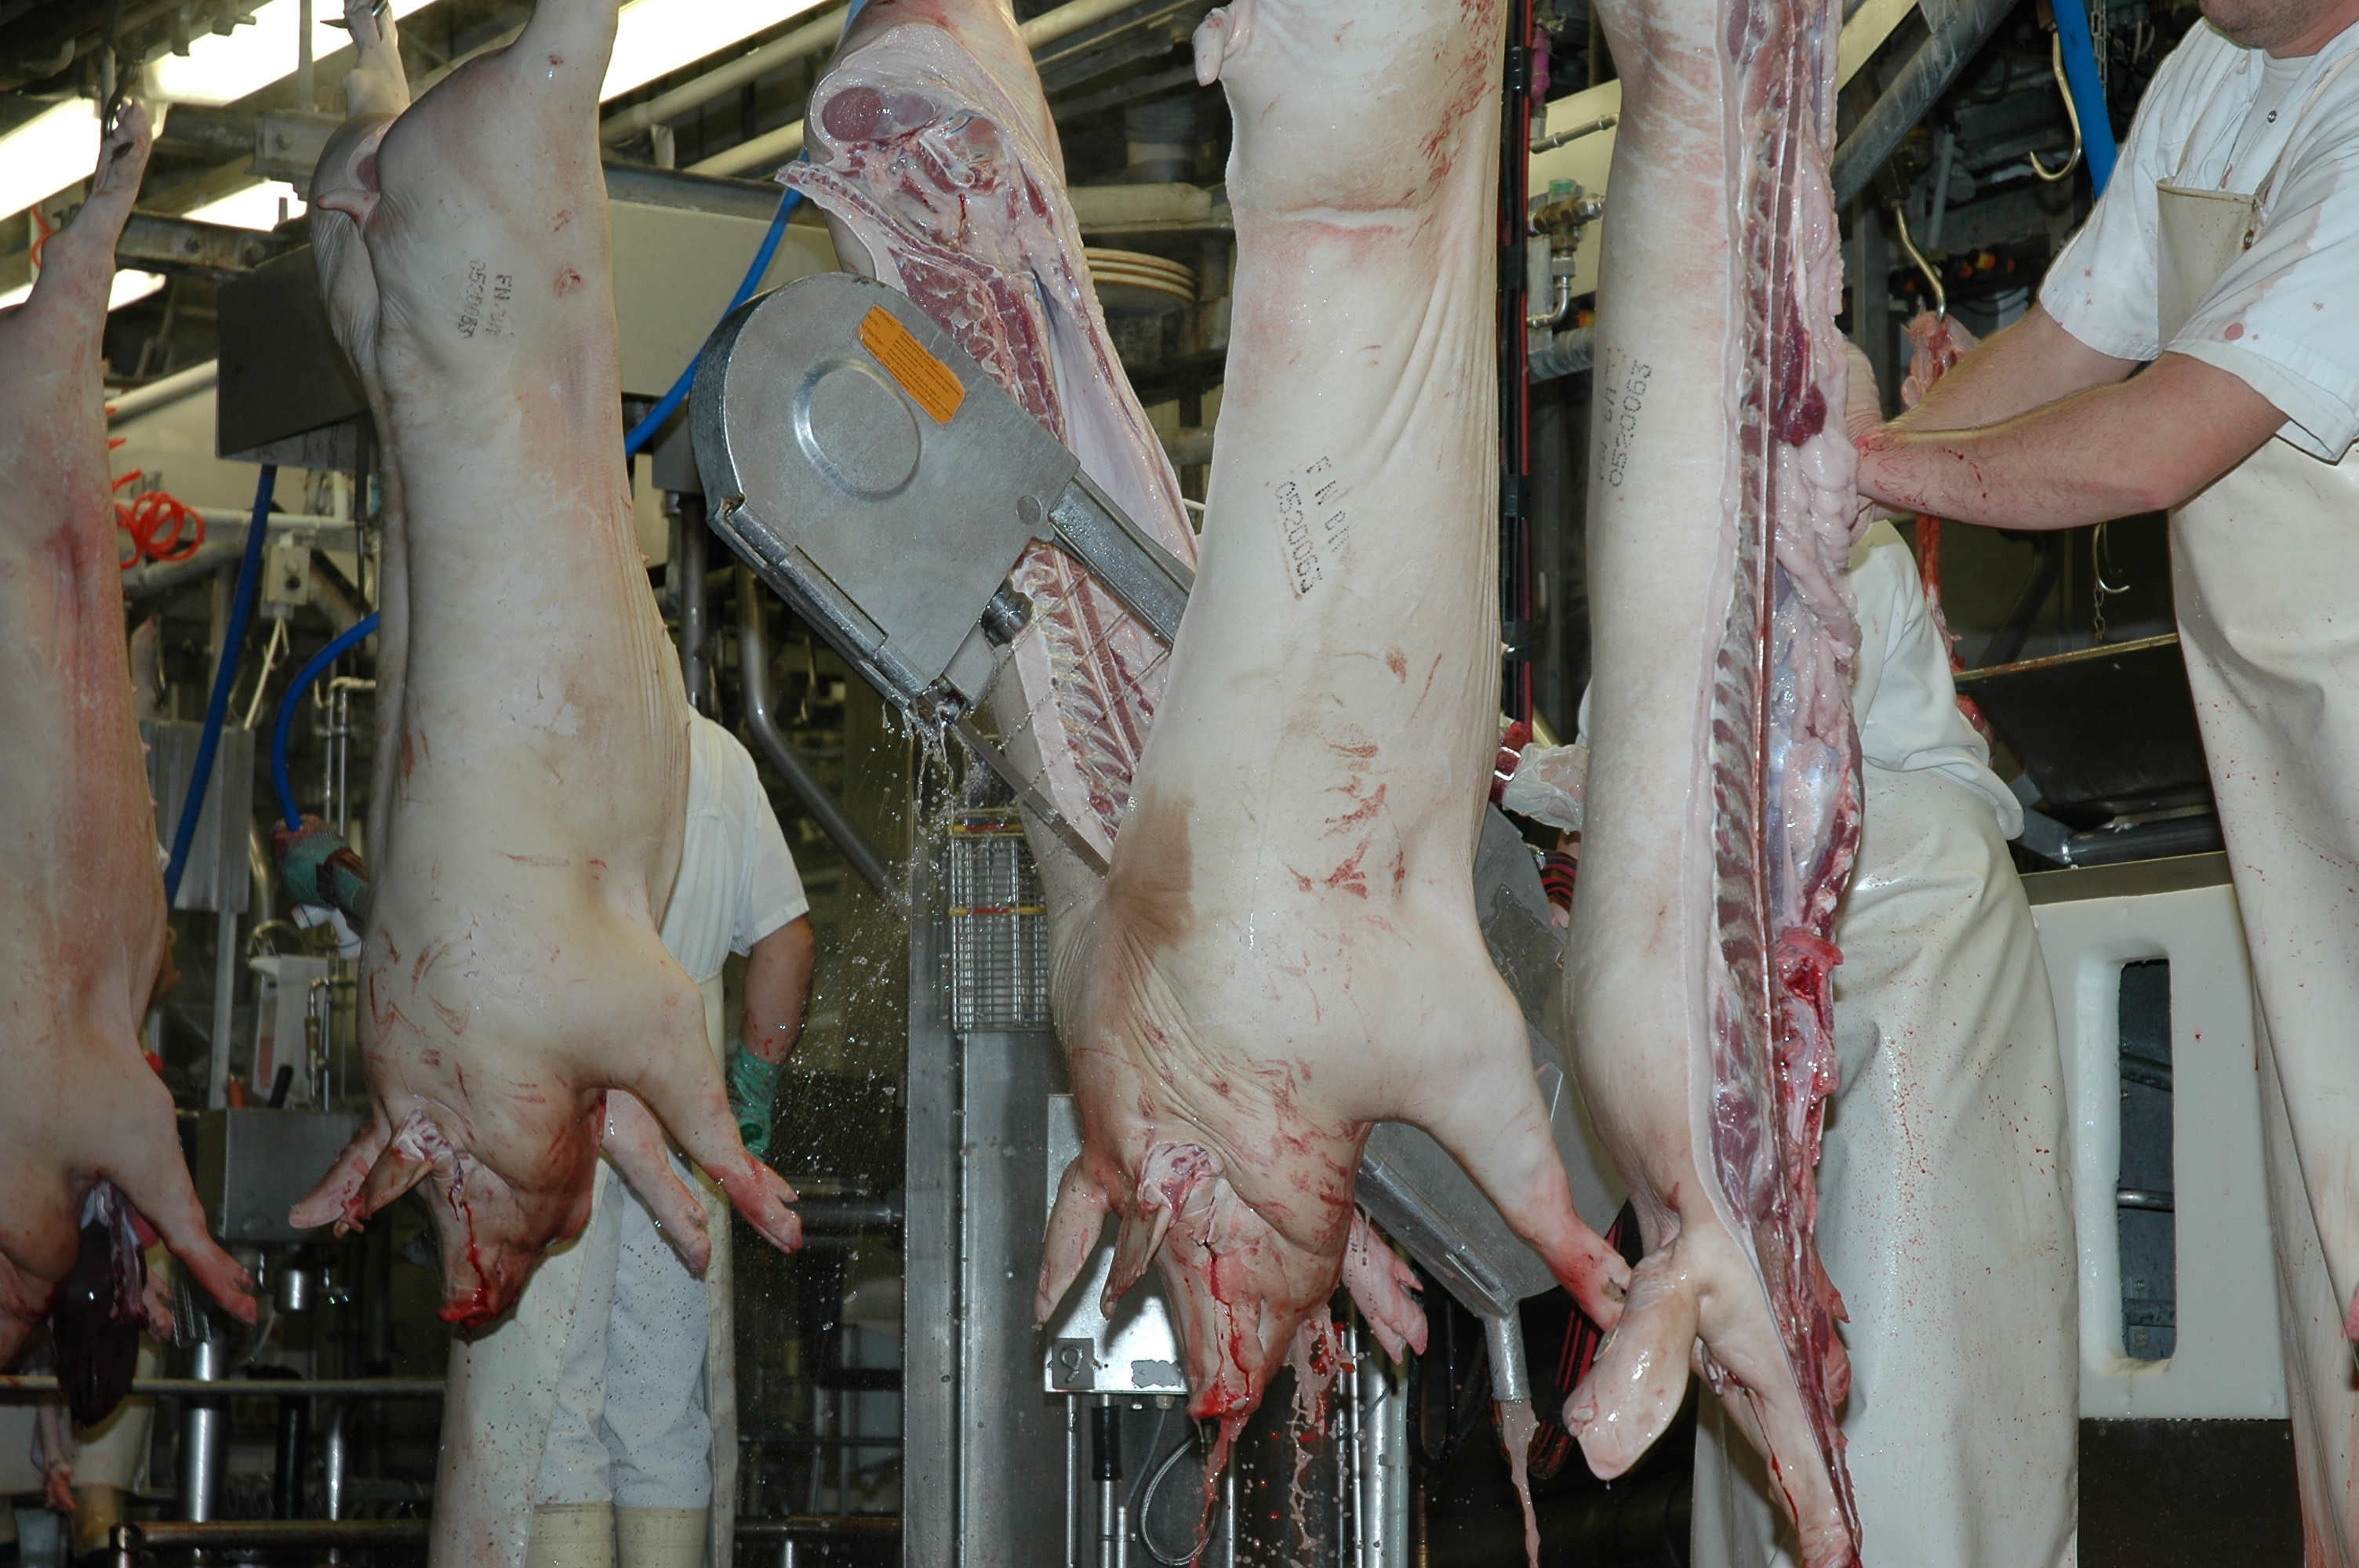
(127, 287)
(222, 68)
(655, 38)
(259, 206)
(47, 153)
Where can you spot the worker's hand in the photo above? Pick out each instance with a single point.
(1863, 416)
(319, 868)
(1939, 342)
(1862, 400)
(753, 1087)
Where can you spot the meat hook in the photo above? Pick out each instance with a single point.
(1933, 274)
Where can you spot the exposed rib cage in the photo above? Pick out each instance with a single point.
(1784, 754)
(962, 207)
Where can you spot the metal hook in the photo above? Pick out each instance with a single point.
(2071, 113)
(2100, 556)
(1933, 274)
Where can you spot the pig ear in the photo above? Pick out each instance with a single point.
(397, 1171)
(1142, 1234)
(333, 1198)
(1634, 1387)
(1383, 1288)
(1219, 36)
(636, 1144)
(356, 196)
(1074, 1226)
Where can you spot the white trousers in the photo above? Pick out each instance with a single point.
(629, 1426)
(1945, 1215)
(507, 1383)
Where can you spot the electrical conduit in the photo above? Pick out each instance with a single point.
(249, 573)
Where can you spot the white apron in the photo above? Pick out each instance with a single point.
(504, 1381)
(1943, 1172)
(2265, 566)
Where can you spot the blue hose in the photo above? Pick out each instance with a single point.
(285, 728)
(646, 427)
(241, 611)
(642, 432)
(2088, 92)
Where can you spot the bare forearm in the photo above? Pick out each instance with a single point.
(2031, 364)
(777, 988)
(2111, 451)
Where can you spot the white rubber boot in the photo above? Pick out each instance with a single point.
(661, 1537)
(571, 1535)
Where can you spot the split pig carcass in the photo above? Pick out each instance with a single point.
(1286, 950)
(1234, 1023)
(1723, 803)
(86, 1135)
(518, 1010)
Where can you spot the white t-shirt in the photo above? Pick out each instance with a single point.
(1900, 688)
(738, 882)
(1901, 694)
(2284, 318)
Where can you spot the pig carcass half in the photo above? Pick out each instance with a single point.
(1722, 802)
(517, 1006)
(939, 168)
(85, 1122)
(1286, 948)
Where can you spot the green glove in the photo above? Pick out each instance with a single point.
(753, 1084)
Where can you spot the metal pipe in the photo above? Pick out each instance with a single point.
(1105, 1469)
(1921, 81)
(754, 690)
(1945, 154)
(306, 95)
(291, 1454)
(694, 632)
(806, 40)
(784, 144)
(224, 1003)
(336, 1462)
(1567, 353)
(1073, 1481)
(204, 1429)
(1504, 1335)
(169, 390)
(210, 1355)
(166, 1535)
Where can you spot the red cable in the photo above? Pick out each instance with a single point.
(162, 526)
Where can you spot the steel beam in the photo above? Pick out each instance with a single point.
(1928, 73)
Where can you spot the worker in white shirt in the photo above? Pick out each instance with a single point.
(2223, 257)
(597, 1425)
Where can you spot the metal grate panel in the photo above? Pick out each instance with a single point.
(998, 928)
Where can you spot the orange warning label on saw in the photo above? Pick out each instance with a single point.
(934, 384)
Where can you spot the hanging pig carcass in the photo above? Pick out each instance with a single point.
(1722, 802)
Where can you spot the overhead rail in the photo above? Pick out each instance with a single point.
(1954, 40)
